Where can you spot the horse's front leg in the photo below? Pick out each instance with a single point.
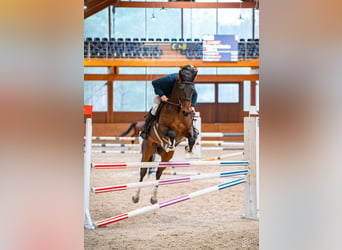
(147, 155)
(191, 142)
(136, 195)
(172, 136)
(165, 157)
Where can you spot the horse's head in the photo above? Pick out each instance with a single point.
(187, 75)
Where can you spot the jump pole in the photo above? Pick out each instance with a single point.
(111, 138)
(221, 157)
(123, 187)
(168, 202)
(219, 134)
(115, 145)
(123, 165)
(116, 151)
(251, 152)
(87, 163)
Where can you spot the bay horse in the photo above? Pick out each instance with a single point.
(174, 124)
(137, 127)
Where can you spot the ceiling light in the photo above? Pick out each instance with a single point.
(153, 18)
(162, 9)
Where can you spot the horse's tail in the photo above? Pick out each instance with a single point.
(133, 124)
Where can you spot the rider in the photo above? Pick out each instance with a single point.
(163, 88)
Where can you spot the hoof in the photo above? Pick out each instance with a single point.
(153, 201)
(135, 199)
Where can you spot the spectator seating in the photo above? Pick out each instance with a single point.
(104, 47)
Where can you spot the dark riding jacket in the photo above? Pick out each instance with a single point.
(163, 86)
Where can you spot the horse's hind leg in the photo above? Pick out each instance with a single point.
(165, 157)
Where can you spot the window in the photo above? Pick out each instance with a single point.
(133, 96)
(228, 93)
(257, 94)
(128, 22)
(95, 94)
(206, 93)
(246, 95)
(95, 70)
(228, 22)
(167, 25)
(97, 25)
(199, 22)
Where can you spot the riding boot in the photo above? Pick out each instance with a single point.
(148, 123)
(196, 133)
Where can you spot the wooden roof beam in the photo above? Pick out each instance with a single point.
(181, 4)
(98, 5)
(165, 63)
(200, 78)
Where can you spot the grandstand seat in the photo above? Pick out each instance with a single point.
(197, 40)
(151, 39)
(173, 39)
(166, 40)
(105, 39)
(85, 51)
(158, 39)
(89, 39)
(198, 54)
(189, 54)
(93, 53)
(112, 39)
(120, 39)
(143, 39)
(189, 40)
(181, 39)
(135, 39)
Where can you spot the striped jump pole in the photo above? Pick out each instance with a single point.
(223, 144)
(167, 172)
(221, 157)
(123, 165)
(220, 148)
(218, 134)
(123, 187)
(168, 202)
(111, 138)
(216, 143)
(116, 151)
(115, 145)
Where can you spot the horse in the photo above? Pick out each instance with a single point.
(173, 124)
(137, 126)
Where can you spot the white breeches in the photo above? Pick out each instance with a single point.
(156, 102)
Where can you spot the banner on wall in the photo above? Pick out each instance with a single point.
(220, 48)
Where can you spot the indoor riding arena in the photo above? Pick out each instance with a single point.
(207, 198)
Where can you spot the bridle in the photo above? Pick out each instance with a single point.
(188, 88)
